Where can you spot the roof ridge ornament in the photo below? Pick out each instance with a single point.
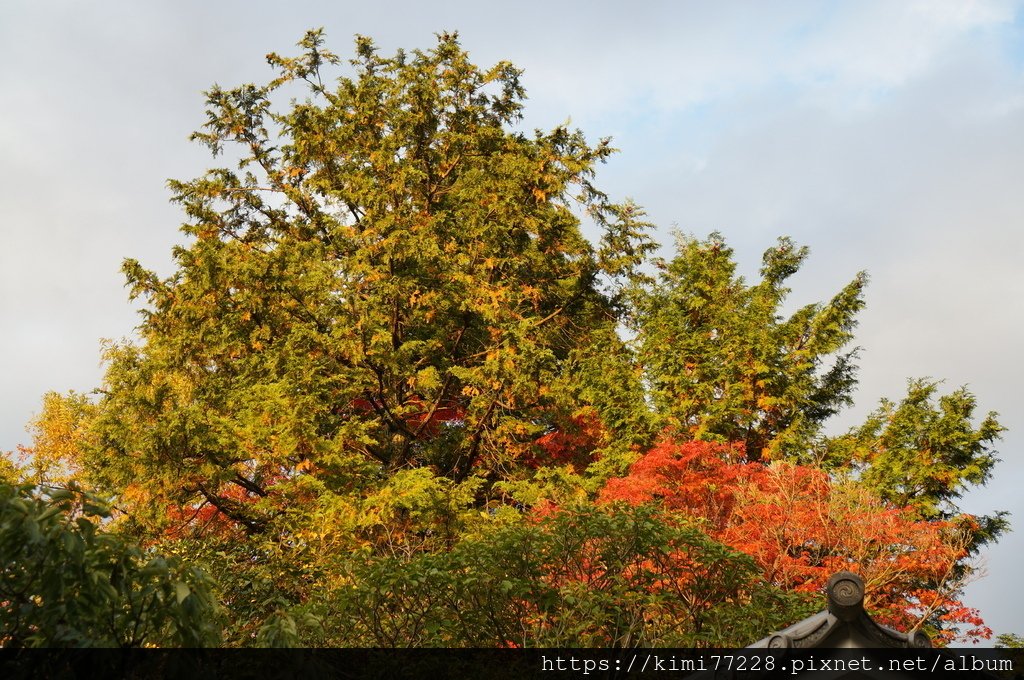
(845, 592)
(844, 623)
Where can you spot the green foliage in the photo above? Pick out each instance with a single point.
(381, 389)
(721, 362)
(253, 581)
(391, 278)
(1009, 641)
(263, 579)
(923, 452)
(65, 582)
(587, 577)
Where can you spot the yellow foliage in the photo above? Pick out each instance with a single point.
(58, 435)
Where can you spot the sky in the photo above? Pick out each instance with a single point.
(888, 136)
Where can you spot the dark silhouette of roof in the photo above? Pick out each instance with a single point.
(844, 624)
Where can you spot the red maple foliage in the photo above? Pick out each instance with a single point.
(573, 442)
(801, 526)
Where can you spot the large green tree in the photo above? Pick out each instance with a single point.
(391, 277)
(724, 364)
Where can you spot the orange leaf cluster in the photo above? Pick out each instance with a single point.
(573, 443)
(800, 527)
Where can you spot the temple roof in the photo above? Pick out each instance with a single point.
(844, 623)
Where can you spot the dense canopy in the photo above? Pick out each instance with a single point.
(391, 395)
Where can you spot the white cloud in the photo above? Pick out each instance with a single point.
(671, 56)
